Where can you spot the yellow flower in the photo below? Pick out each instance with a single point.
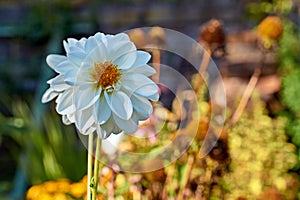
(63, 185)
(34, 192)
(77, 190)
(61, 196)
(50, 186)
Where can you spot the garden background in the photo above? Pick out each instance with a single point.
(255, 158)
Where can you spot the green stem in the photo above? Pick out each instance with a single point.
(96, 168)
(90, 165)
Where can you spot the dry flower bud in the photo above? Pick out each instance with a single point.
(137, 36)
(212, 34)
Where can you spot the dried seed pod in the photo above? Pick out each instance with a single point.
(137, 36)
(157, 36)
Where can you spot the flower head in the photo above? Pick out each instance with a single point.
(270, 27)
(102, 84)
(270, 30)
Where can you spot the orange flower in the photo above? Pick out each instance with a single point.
(270, 28)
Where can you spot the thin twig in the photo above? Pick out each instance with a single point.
(186, 176)
(170, 174)
(156, 64)
(203, 67)
(249, 90)
(246, 96)
(111, 189)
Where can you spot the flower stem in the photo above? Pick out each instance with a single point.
(249, 90)
(156, 64)
(186, 177)
(90, 165)
(96, 168)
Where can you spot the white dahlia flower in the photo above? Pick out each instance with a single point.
(102, 84)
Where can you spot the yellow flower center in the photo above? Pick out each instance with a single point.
(106, 74)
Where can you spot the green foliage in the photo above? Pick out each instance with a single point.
(45, 153)
(260, 157)
(291, 91)
(259, 9)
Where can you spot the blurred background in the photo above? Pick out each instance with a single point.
(36, 148)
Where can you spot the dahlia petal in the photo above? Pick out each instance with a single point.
(139, 84)
(102, 111)
(153, 97)
(120, 104)
(54, 60)
(76, 57)
(58, 84)
(90, 44)
(85, 96)
(66, 46)
(89, 130)
(142, 58)
(143, 69)
(65, 66)
(98, 54)
(64, 103)
(129, 126)
(125, 61)
(141, 104)
(101, 39)
(65, 120)
(102, 133)
(136, 117)
(84, 119)
(71, 77)
(81, 43)
(72, 41)
(118, 46)
(49, 95)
